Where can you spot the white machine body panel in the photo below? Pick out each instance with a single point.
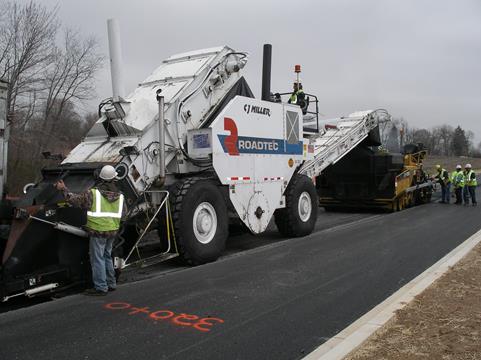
(256, 147)
(192, 85)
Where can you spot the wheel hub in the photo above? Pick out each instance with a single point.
(305, 206)
(259, 212)
(205, 222)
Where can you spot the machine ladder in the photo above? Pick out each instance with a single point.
(336, 141)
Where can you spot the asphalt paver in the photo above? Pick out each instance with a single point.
(279, 301)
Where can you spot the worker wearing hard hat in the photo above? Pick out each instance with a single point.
(470, 185)
(458, 183)
(445, 181)
(104, 204)
(298, 97)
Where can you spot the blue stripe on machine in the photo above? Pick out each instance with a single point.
(253, 145)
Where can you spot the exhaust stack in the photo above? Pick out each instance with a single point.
(266, 72)
(160, 100)
(115, 53)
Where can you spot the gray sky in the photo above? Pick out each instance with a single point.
(420, 59)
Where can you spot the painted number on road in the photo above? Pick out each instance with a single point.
(179, 319)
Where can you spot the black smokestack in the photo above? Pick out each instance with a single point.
(266, 72)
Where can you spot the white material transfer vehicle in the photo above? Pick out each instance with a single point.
(193, 143)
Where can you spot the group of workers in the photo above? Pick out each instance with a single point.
(462, 182)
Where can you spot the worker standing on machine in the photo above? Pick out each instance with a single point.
(458, 184)
(445, 182)
(470, 185)
(104, 205)
(298, 97)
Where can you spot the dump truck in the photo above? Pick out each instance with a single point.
(194, 153)
(369, 178)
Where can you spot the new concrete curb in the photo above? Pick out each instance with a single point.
(355, 334)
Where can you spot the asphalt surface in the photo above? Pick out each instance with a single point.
(277, 301)
(240, 241)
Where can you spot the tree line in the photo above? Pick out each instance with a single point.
(444, 140)
(51, 71)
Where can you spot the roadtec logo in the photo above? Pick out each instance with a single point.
(264, 144)
(234, 144)
(257, 110)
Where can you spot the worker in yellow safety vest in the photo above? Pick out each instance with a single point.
(470, 185)
(298, 97)
(104, 204)
(445, 181)
(457, 178)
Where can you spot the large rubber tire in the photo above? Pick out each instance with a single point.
(199, 197)
(290, 220)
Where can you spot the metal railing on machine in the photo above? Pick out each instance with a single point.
(171, 243)
(310, 113)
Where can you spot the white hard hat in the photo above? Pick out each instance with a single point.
(459, 167)
(299, 81)
(108, 173)
(468, 166)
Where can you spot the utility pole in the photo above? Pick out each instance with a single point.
(3, 135)
(401, 138)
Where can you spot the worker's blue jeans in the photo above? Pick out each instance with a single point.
(103, 273)
(469, 192)
(446, 192)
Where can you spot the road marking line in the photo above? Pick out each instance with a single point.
(340, 345)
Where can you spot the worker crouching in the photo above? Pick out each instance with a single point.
(104, 205)
(470, 185)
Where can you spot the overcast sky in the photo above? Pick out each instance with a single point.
(420, 59)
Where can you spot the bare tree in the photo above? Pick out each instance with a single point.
(423, 136)
(69, 79)
(445, 135)
(27, 41)
(469, 139)
(47, 80)
(439, 140)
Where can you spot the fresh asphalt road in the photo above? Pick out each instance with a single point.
(279, 301)
(241, 241)
(238, 242)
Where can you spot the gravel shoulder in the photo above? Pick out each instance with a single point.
(443, 322)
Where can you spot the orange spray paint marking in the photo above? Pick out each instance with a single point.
(155, 315)
(136, 310)
(182, 319)
(205, 322)
(177, 319)
(117, 306)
